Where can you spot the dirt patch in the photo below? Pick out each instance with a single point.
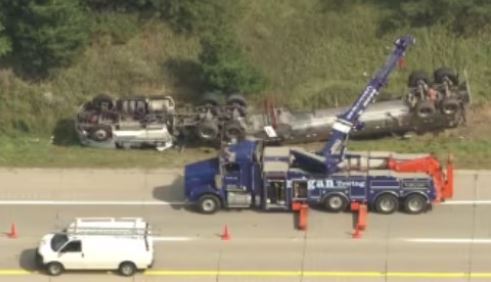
(478, 123)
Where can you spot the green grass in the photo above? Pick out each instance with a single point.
(468, 154)
(35, 152)
(39, 152)
(311, 56)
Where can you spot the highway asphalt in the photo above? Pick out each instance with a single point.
(452, 242)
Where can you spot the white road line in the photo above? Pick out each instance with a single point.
(89, 203)
(467, 202)
(172, 239)
(449, 240)
(162, 203)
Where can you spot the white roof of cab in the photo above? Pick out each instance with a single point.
(274, 166)
(276, 151)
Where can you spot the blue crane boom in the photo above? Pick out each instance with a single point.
(335, 148)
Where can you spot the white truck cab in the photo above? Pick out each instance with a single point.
(122, 244)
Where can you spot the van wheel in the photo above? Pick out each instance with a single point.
(54, 268)
(209, 204)
(127, 268)
(335, 203)
(415, 204)
(386, 204)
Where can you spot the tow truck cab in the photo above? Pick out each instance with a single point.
(230, 180)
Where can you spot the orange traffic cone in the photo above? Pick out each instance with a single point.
(357, 233)
(225, 235)
(13, 231)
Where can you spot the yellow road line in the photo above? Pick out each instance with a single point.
(347, 274)
(11, 272)
(279, 273)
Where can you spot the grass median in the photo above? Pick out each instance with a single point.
(469, 153)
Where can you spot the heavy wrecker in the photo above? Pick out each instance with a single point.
(248, 174)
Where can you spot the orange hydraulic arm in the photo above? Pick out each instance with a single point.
(443, 181)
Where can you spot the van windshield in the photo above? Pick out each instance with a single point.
(58, 241)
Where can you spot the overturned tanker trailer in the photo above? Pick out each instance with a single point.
(429, 105)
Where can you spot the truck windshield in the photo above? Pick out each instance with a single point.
(58, 241)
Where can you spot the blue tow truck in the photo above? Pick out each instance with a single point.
(248, 174)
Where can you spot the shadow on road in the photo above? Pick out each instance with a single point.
(172, 194)
(27, 260)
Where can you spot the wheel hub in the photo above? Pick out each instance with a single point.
(415, 205)
(100, 134)
(208, 205)
(386, 205)
(335, 202)
(127, 270)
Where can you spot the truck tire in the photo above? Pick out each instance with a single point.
(415, 204)
(127, 268)
(54, 268)
(386, 204)
(425, 109)
(450, 106)
(210, 100)
(209, 204)
(100, 133)
(207, 130)
(335, 203)
(99, 99)
(236, 100)
(416, 77)
(440, 74)
(234, 130)
(237, 109)
(209, 105)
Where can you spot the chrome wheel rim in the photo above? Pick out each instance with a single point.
(208, 205)
(415, 205)
(387, 205)
(335, 203)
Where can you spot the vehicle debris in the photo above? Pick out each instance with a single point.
(428, 106)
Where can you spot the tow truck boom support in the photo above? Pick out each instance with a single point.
(335, 148)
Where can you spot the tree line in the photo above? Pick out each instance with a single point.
(39, 37)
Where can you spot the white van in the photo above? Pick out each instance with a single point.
(122, 244)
